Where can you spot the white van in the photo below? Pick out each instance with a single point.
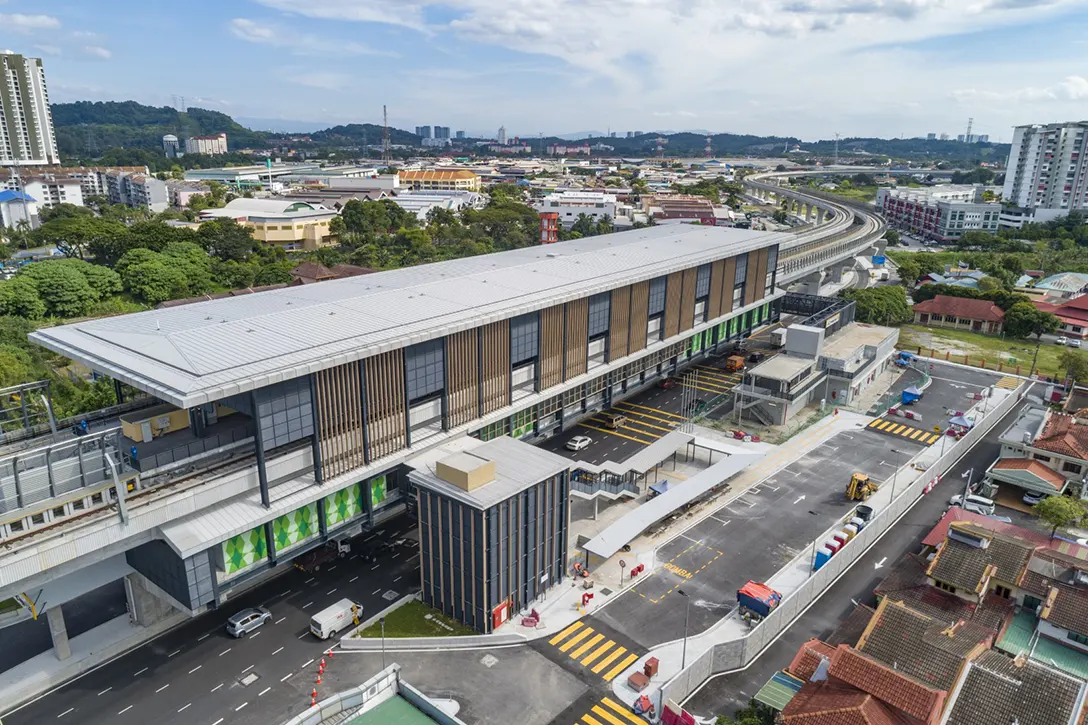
(975, 504)
(330, 621)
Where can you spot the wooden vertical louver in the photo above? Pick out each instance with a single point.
(551, 347)
(640, 314)
(495, 365)
(687, 300)
(577, 337)
(386, 415)
(761, 284)
(753, 283)
(672, 304)
(715, 300)
(728, 279)
(340, 419)
(462, 377)
(619, 325)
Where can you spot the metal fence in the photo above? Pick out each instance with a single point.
(738, 653)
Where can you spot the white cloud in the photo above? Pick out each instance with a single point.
(21, 23)
(47, 49)
(299, 44)
(1072, 88)
(323, 80)
(83, 34)
(97, 51)
(408, 13)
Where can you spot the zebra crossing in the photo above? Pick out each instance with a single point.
(592, 650)
(610, 712)
(902, 430)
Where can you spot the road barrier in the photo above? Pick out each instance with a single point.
(738, 653)
(476, 641)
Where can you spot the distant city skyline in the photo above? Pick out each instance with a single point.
(778, 67)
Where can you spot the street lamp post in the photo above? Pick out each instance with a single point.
(812, 564)
(895, 475)
(687, 609)
(382, 621)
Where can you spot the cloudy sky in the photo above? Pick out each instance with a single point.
(807, 68)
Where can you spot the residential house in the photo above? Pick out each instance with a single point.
(1066, 285)
(1073, 314)
(954, 277)
(310, 272)
(293, 225)
(440, 180)
(1043, 451)
(960, 313)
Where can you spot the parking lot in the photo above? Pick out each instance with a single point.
(749, 538)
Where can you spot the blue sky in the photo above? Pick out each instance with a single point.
(808, 68)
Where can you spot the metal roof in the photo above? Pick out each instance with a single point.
(518, 466)
(205, 351)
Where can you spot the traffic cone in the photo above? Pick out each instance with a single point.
(313, 697)
(319, 678)
(322, 663)
(329, 653)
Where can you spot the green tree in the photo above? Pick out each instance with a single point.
(74, 236)
(1059, 512)
(65, 292)
(880, 305)
(63, 210)
(235, 275)
(19, 298)
(155, 282)
(19, 236)
(780, 216)
(584, 226)
(989, 284)
(909, 271)
(1023, 320)
(1075, 364)
(134, 257)
(15, 366)
(226, 239)
(892, 237)
(756, 713)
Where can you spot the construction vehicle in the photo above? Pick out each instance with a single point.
(734, 363)
(860, 488)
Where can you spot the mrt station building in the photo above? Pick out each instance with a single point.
(275, 421)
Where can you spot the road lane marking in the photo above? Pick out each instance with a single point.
(279, 620)
(125, 710)
(224, 651)
(255, 635)
(376, 591)
(723, 522)
(308, 663)
(140, 672)
(203, 637)
(278, 651)
(330, 569)
(309, 580)
(195, 669)
(240, 706)
(374, 567)
(248, 669)
(302, 635)
(217, 721)
(217, 687)
(105, 691)
(177, 651)
(264, 691)
(307, 604)
(352, 579)
(65, 713)
(397, 579)
(162, 688)
(185, 707)
(284, 678)
(330, 593)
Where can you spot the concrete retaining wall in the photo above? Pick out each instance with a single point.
(739, 653)
(479, 641)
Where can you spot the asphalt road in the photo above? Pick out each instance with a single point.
(193, 675)
(725, 694)
(749, 538)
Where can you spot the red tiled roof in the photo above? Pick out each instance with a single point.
(898, 690)
(829, 703)
(1064, 436)
(1067, 608)
(962, 307)
(1034, 467)
(939, 532)
(808, 658)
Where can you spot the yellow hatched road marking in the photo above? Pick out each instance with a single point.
(916, 433)
(585, 646)
(933, 438)
(620, 667)
(576, 639)
(557, 638)
(716, 373)
(897, 429)
(636, 421)
(656, 410)
(614, 433)
(607, 715)
(623, 711)
(883, 425)
(609, 659)
(639, 414)
(590, 720)
(598, 652)
(719, 391)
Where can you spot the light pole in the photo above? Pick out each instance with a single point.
(382, 621)
(687, 609)
(895, 475)
(812, 565)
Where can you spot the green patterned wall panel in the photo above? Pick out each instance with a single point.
(378, 491)
(244, 550)
(342, 506)
(295, 527)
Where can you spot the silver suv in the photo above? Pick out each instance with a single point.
(247, 620)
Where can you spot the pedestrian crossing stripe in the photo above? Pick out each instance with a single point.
(893, 427)
(610, 712)
(1008, 383)
(589, 647)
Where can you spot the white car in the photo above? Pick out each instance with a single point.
(1063, 340)
(578, 443)
(1074, 343)
(1033, 497)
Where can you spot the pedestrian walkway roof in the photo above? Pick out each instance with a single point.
(205, 351)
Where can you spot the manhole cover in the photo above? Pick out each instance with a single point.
(249, 679)
(489, 660)
(389, 596)
(605, 592)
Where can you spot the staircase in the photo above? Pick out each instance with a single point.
(589, 485)
(760, 414)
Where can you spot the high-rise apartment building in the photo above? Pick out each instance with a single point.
(423, 131)
(26, 124)
(1048, 170)
(501, 136)
(171, 146)
(441, 131)
(209, 145)
(460, 134)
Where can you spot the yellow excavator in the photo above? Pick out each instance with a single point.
(860, 487)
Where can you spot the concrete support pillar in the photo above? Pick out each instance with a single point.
(811, 284)
(59, 633)
(596, 499)
(145, 604)
(808, 213)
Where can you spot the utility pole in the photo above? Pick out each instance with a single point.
(387, 154)
(836, 148)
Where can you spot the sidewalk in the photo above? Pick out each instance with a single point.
(787, 580)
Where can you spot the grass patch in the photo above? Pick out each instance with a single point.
(978, 347)
(8, 605)
(415, 619)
